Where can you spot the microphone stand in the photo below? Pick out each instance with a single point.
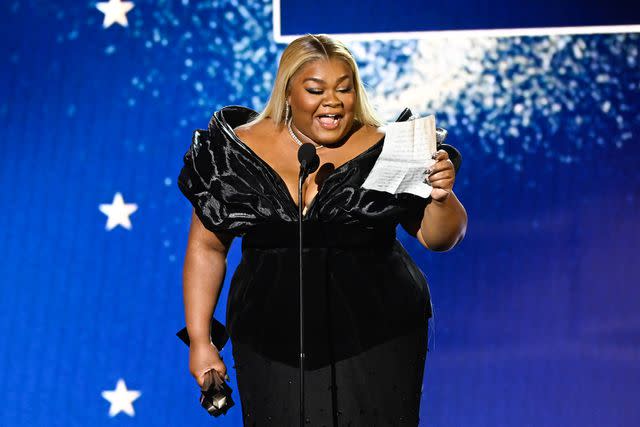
(301, 178)
(309, 162)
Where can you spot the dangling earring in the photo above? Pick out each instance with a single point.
(286, 111)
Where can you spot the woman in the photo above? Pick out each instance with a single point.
(367, 304)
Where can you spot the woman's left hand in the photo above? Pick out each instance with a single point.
(441, 176)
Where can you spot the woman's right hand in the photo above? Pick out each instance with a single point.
(203, 358)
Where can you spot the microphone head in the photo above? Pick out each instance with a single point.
(308, 158)
(306, 152)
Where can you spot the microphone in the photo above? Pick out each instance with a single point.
(309, 160)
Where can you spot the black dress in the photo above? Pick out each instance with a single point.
(366, 304)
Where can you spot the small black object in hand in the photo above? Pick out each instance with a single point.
(216, 394)
(217, 400)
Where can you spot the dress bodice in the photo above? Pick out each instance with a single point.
(233, 189)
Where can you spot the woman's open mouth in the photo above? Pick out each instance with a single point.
(329, 121)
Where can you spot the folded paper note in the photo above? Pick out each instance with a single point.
(406, 154)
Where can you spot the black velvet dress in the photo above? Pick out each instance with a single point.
(366, 303)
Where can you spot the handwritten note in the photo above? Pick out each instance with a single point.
(406, 154)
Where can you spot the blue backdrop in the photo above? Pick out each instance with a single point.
(537, 311)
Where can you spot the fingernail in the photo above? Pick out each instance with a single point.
(434, 155)
(428, 171)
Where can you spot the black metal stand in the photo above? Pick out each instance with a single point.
(302, 355)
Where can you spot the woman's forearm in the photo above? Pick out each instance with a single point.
(444, 223)
(203, 276)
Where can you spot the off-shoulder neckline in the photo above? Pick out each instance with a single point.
(229, 130)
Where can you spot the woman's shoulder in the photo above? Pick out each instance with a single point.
(260, 130)
(370, 134)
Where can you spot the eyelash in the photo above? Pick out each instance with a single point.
(318, 92)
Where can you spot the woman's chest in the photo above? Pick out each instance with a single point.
(286, 167)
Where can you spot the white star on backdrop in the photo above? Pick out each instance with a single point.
(115, 11)
(121, 399)
(118, 212)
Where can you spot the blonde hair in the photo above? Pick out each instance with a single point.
(302, 51)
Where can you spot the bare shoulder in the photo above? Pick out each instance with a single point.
(245, 131)
(378, 132)
(255, 131)
(370, 134)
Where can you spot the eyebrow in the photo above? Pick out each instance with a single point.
(317, 80)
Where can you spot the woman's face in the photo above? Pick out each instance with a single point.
(322, 99)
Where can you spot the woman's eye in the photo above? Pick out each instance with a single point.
(319, 91)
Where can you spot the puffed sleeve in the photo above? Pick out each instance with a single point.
(221, 184)
(199, 181)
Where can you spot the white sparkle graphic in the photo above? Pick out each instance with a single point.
(118, 212)
(121, 399)
(115, 11)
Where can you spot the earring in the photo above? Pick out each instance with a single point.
(286, 112)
